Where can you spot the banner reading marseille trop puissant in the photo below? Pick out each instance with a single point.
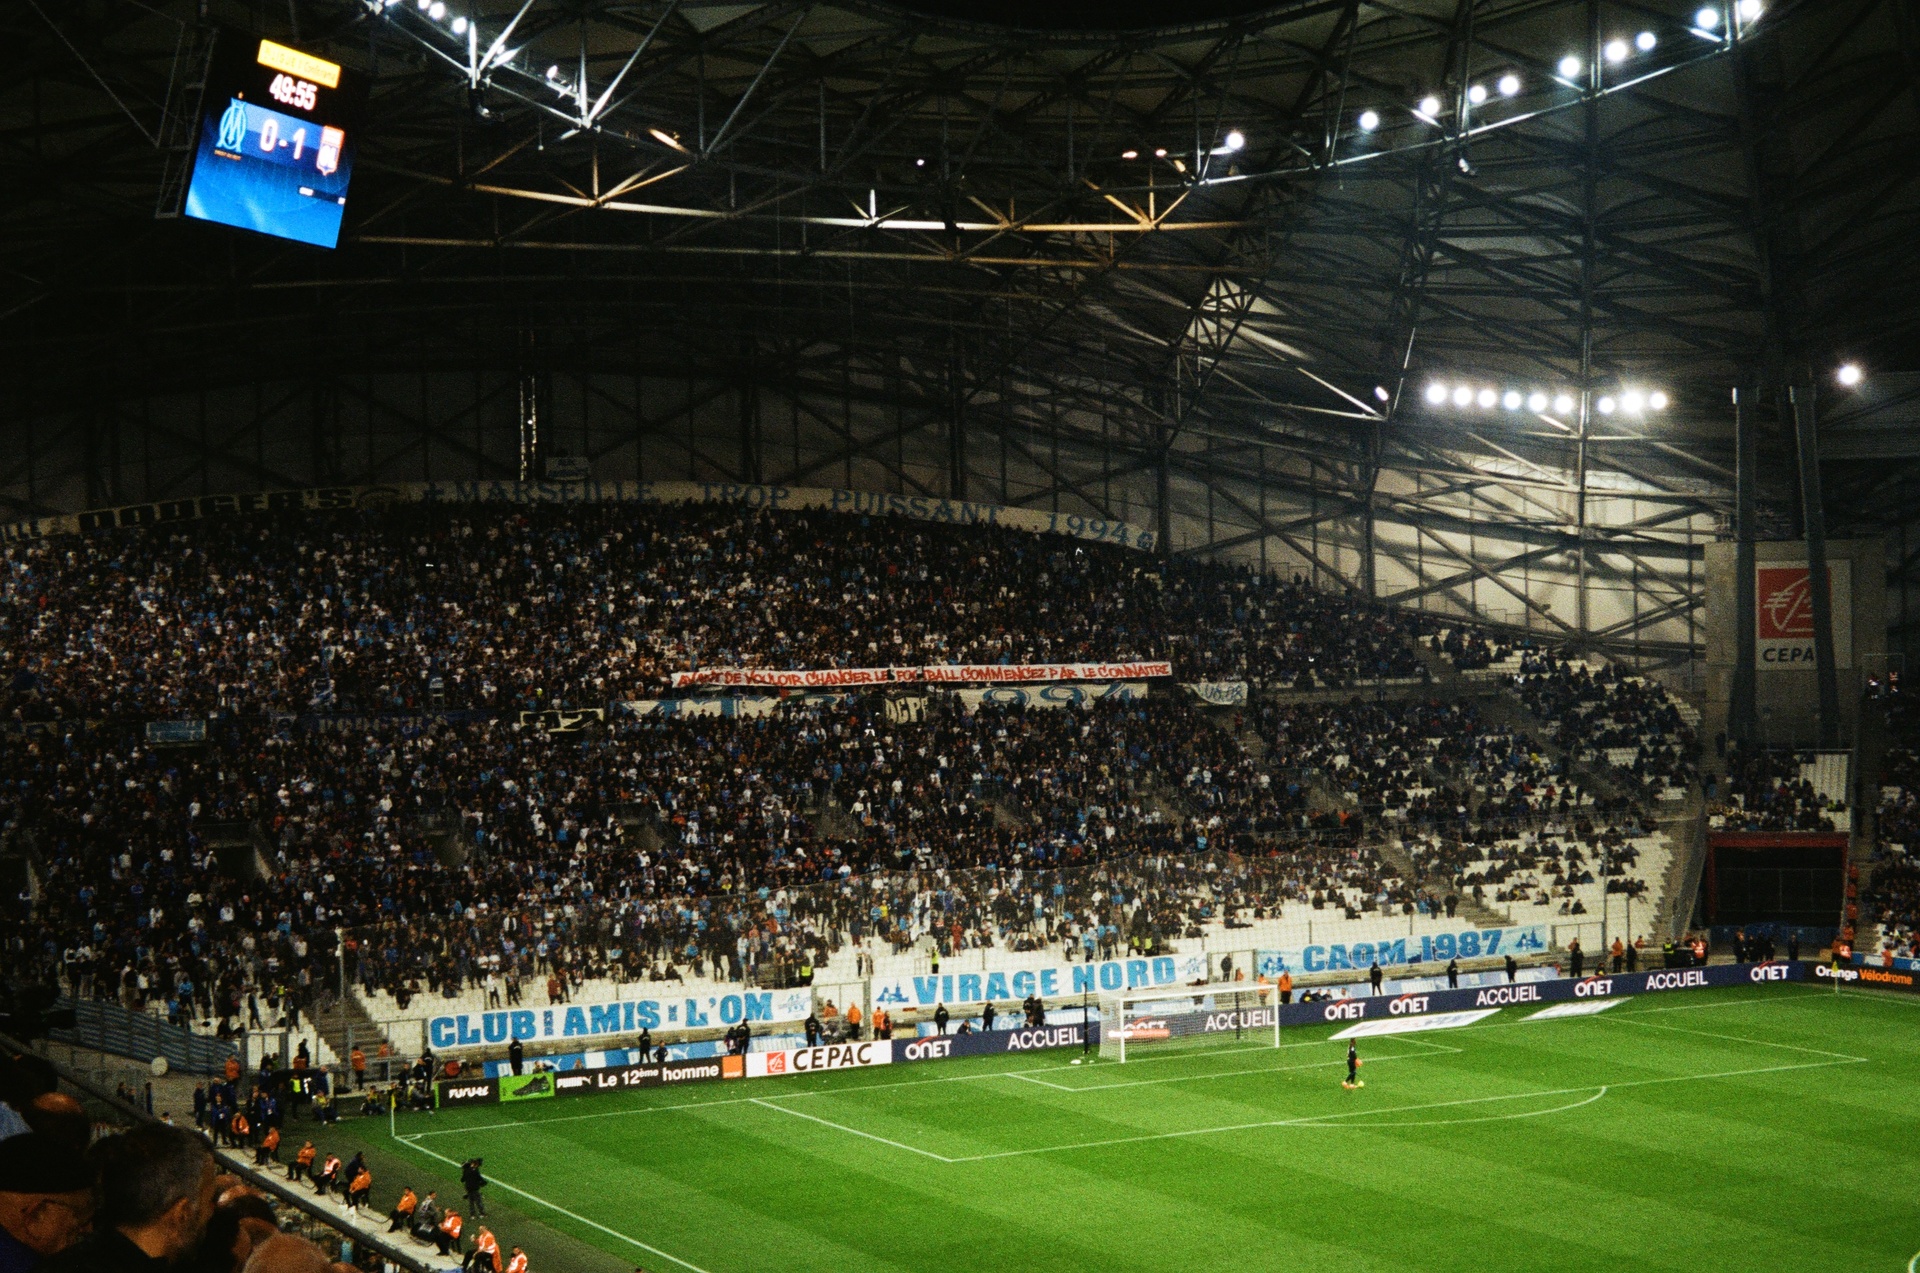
(1388, 952)
(1049, 980)
(932, 674)
(626, 1016)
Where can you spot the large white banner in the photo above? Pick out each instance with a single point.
(933, 674)
(627, 1016)
(831, 1056)
(747, 495)
(1048, 980)
(1392, 952)
(1219, 693)
(1065, 694)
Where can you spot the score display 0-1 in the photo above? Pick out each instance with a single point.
(277, 138)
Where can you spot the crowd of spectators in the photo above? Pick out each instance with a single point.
(1610, 717)
(463, 849)
(410, 606)
(1764, 791)
(1891, 898)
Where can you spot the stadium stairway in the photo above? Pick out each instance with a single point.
(350, 1018)
(1478, 914)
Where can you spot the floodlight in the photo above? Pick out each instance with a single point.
(1380, 392)
(1509, 85)
(1236, 140)
(1430, 107)
(1563, 404)
(1569, 67)
(1616, 50)
(1605, 405)
(1436, 393)
(424, 4)
(1512, 400)
(1463, 396)
(1129, 154)
(1849, 374)
(460, 26)
(553, 72)
(1707, 19)
(1750, 9)
(919, 163)
(437, 10)
(1537, 402)
(1369, 120)
(1634, 401)
(1657, 400)
(1645, 41)
(1160, 153)
(1488, 397)
(1477, 94)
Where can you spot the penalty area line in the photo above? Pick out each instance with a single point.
(852, 1131)
(577, 1218)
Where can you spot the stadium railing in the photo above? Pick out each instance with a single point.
(104, 1026)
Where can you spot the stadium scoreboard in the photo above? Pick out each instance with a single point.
(277, 136)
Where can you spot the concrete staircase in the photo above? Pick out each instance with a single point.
(1480, 916)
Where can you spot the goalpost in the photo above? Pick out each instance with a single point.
(1189, 1018)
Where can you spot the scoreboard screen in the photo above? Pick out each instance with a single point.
(277, 140)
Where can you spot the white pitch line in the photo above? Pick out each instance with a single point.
(1632, 1019)
(1323, 1120)
(853, 1131)
(1456, 1122)
(537, 1200)
(1027, 1078)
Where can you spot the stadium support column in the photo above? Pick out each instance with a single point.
(1742, 723)
(957, 427)
(1814, 514)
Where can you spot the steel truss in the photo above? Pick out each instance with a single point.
(854, 244)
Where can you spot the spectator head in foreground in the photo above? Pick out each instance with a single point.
(287, 1253)
(156, 1187)
(46, 1200)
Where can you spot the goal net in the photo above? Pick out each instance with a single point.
(1194, 1017)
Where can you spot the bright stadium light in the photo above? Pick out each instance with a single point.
(1380, 392)
(1477, 94)
(1849, 374)
(1463, 396)
(1537, 402)
(1430, 107)
(1645, 41)
(1369, 120)
(1633, 401)
(1605, 405)
(1509, 84)
(1707, 19)
(1512, 399)
(1657, 400)
(1487, 398)
(1569, 67)
(1236, 140)
(1436, 393)
(460, 26)
(1616, 50)
(1750, 9)
(1129, 154)
(1563, 404)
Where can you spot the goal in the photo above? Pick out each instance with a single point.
(1192, 1017)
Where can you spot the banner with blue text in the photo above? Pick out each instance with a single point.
(1049, 981)
(1388, 952)
(626, 1016)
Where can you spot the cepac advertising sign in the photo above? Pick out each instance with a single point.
(835, 1056)
(1783, 616)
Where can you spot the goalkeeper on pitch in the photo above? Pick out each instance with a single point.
(1353, 1067)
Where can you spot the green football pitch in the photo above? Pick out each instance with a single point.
(1774, 1128)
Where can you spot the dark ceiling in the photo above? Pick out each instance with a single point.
(787, 188)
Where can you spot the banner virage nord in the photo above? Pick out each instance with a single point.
(1046, 980)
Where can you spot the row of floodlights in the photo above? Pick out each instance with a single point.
(1706, 23)
(1538, 401)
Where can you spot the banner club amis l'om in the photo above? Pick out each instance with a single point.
(580, 1021)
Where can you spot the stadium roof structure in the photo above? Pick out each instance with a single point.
(1199, 266)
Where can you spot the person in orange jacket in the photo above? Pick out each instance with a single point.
(239, 1129)
(518, 1262)
(485, 1256)
(402, 1213)
(853, 1021)
(269, 1150)
(302, 1161)
(359, 1189)
(358, 1060)
(447, 1236)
